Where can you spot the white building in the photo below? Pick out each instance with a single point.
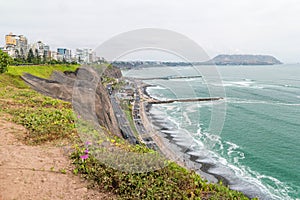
(85, 56)
(64, 54)
(41, 49)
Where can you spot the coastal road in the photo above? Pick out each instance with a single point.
(127, 133)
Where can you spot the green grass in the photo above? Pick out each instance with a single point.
(43, 71)
(169, 182)
(12, 76)
(45, 118)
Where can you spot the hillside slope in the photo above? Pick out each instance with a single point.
(92, 100)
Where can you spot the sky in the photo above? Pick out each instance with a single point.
(269, 27)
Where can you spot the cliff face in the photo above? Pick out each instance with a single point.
(112, 71)
(84, 89)
(244, 60)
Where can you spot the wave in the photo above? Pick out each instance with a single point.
(245, 83)
(245, 101)
(156, 87)
(249, 83)
(241, 177)
(225, 158)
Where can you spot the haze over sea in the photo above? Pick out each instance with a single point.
(258, 148)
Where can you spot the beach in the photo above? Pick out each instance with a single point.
(165, 142)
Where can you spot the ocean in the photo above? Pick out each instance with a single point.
(257, 149)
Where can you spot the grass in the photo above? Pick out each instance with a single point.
(46, 119)
(50, 120)
(169, 182)
(12, 76)
(43, 71)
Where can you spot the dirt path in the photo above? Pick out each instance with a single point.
(28, 172)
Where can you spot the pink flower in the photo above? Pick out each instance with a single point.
(78, 116)
(84, 157)
(88, 143)
(86, 151)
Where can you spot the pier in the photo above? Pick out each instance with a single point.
(155, 101)
(169, 77)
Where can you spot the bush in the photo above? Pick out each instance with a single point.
(5, 60)
(169, 182)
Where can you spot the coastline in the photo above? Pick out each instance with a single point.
(177, 146)
(161, 138)
(172, 150)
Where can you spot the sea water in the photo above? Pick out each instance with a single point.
(258, 148)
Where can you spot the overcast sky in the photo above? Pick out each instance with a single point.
(219, 26)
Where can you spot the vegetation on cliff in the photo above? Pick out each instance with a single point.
(45, 118)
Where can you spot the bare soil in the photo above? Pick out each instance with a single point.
(38, 172)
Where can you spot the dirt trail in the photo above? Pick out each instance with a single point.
(34, 172)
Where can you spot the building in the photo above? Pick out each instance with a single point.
(22, 46)
(11, 39)
(86, 56)
(83, 55)
(41, 49)
(64, 54)
(16, 45)
(53, 55)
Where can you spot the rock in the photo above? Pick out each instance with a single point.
(82, 190)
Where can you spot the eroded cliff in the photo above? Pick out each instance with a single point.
(83, 88)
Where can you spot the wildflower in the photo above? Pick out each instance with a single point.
(84, 157)
(87, 143)
(86, 151)
(78, 116)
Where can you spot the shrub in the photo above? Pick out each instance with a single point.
(5, 60)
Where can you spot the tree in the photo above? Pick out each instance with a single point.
(22, 55)
(45, 56)
(30, 56)
(17, 53)
(5, 60)
(37, 59)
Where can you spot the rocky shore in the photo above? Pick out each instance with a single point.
(166, 143)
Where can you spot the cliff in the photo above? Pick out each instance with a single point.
(112, 71)
(86, 92)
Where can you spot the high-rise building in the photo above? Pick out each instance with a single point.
(16, 45)
(64, 54)
(22, 46)
(85, 56)
(41, 49)
(11, 39)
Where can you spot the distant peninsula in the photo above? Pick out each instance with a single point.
(223, 59)
(244, 60)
